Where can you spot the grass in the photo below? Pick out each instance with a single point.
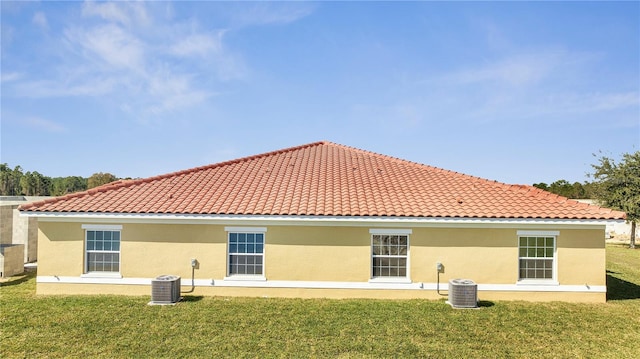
(120, 327)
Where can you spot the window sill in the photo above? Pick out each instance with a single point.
(537, 282)
(101, 275)
(246, 278)
(402, 280)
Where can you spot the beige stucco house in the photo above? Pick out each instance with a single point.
(322, 220)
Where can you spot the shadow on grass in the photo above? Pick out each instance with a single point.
(619, 289)
(192, 298)
(485, 304)
(22, 278)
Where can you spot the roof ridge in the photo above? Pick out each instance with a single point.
(421, 165)
(530, 189)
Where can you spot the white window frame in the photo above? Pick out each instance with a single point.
(246, 230)
(104, 228)
(554, 267)
(391, 232)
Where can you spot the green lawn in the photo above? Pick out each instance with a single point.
(112, 326)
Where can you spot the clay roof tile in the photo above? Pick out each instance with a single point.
(323, 178)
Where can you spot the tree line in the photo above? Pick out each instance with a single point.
(616, 185)
(15, 182)
(576, 190)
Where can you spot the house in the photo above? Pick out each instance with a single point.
(322, 220)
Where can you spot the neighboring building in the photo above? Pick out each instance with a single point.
(18, 235)
(619, 230)
(322, 220)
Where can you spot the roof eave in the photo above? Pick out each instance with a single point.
(372, 221)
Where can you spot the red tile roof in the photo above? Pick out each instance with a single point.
(323, 179)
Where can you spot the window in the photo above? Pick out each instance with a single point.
(536, 256)
(389, 253)
(246, 251)
(102, 244)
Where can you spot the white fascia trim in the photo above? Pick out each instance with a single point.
(539, 233)
(246, 229)
(583, 288)
(390, 231)
(102, 227)
(246, 278)
(316, 285)
(92, 280)
(537, 282)
(325, 285)
(101, 275)
(396, 280)
(377, 221)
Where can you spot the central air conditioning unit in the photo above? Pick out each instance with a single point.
(463, 293)
(165, 289)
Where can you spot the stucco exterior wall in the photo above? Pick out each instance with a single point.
(318, 254)
(11, 259)
(6, 221)
(61, 246)
(25, 231)
(150, 250)
(15, 229)
(321, 256)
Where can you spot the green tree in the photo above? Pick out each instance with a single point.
(543, 186)
(10, 180)
(564, 188)
(66, 185)
(618, 186)
(35, 184)
(98, 179)
(589, 190)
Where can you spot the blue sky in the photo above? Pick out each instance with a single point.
(520, 92)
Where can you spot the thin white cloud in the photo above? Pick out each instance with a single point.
(587, 103)
(517, 70)
(40, 20)
(10, 76)
(116, 59)
(110, 44)
(612, 101)
(124, 13)
(110, 52)
(91, 87)
(200, 45)
(266, 13)
(544, 84)
(7, 33)
(173, 92)
(41, 124)
(545, 104)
